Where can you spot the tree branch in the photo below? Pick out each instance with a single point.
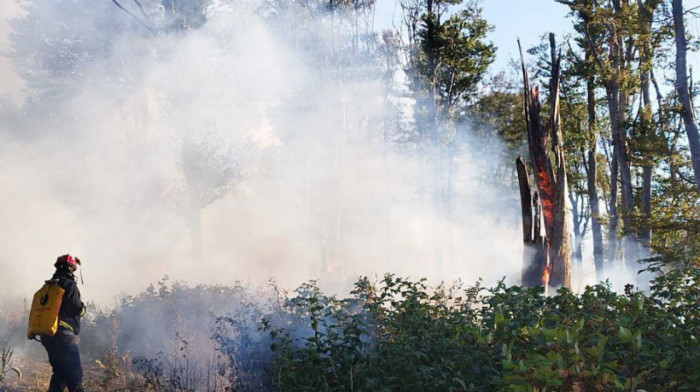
(139, 21)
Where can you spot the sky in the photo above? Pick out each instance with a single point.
(530, 19)
(527, 20)
(512, 19)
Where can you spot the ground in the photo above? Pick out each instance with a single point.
(36, 375)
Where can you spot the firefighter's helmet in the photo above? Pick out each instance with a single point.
(69, 261)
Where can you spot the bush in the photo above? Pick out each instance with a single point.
(395, 334)
(398, 335)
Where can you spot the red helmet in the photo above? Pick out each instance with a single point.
(69, 261)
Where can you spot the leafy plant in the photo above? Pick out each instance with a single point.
(398, 334)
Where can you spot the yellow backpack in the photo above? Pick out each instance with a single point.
(43, 316)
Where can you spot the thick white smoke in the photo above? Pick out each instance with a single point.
(291, 166)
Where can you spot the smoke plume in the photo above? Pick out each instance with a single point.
(240, 149)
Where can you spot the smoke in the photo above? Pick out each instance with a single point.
(623, 271)
(228, 152)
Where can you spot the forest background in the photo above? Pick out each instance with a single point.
(228, 143)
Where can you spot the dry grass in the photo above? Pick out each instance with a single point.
(36, 375)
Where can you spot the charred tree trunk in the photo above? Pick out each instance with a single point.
(541, 253)
(550, 177)
(688, 114)
(533, 250)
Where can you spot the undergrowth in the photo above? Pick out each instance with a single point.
(397, 334)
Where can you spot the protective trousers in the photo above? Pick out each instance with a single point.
(64, 358)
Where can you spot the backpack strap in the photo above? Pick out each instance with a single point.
(65, 325)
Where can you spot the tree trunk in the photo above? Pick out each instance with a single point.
(646, 13)
(576, 252)
(591, 173)
(195, 223)
(432, 25)
(550, 177)
(614, 216)
(688, 114)
(619, 107)
(194, 192)
(618, 102)
(561, 249)
(533, 248)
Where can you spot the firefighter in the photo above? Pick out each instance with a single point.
(62, 348)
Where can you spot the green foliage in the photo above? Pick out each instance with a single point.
(461, 54)
(624, 47)
(447, 58)
(398, 335)
(332, 346)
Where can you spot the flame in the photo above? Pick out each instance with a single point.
(545, 276)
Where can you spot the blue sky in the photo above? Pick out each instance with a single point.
(524, 19)
(528, 20)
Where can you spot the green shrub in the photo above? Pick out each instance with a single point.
(401, 335)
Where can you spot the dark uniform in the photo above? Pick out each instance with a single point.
(62, 348)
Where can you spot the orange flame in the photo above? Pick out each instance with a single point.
(545, 276)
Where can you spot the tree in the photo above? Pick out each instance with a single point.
(585, 69)
(688, 113)
(550, 176)
(53, 46)
(615, 36)
(445, 60)
(212, 168)
(646, 57)
(61, 45)
(162, 16)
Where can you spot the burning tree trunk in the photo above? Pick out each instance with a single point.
(534, 252)
(550, 176)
